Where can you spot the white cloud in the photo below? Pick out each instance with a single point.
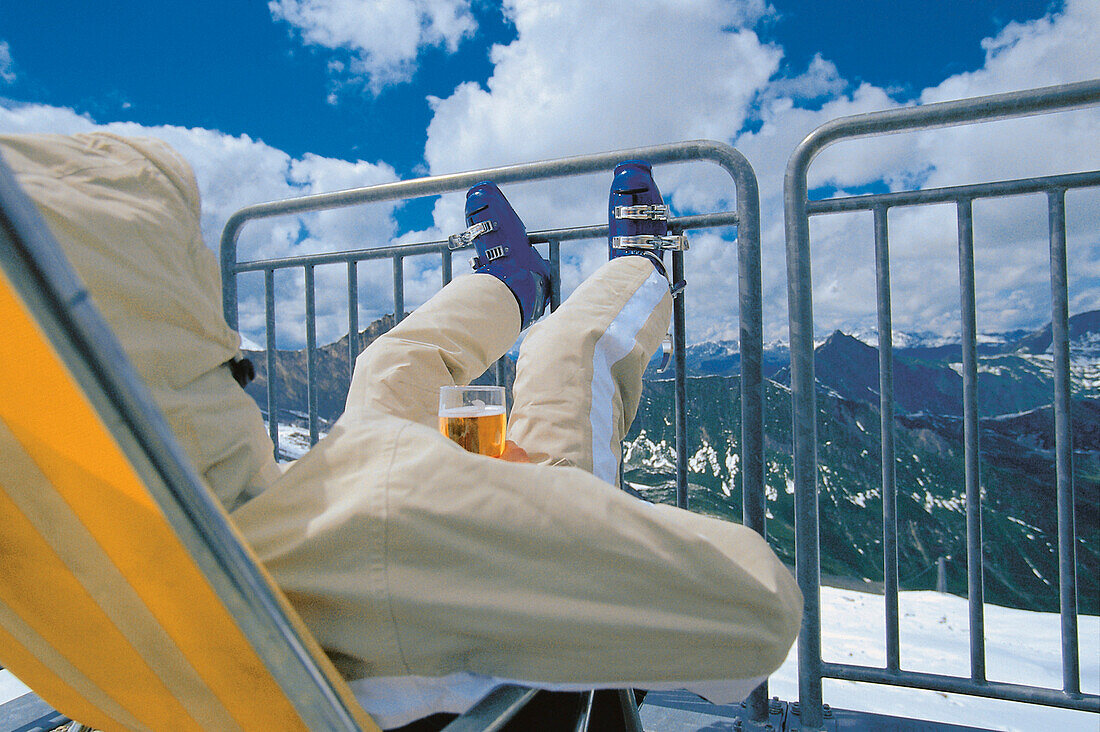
(578, 81)
(1011, 239)
(382, 37)
(233, 172)
(7, 67)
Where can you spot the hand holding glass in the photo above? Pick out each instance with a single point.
(474, 417)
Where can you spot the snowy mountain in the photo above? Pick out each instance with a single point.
(1019, 506)
(1021, 647)
(1014, 374)
(1015, 387)
(1015, 371)
(333, 377)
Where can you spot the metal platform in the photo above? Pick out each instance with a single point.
(28, 713)
(679, 711)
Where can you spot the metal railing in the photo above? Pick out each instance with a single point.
(746, 218)
(798, 208)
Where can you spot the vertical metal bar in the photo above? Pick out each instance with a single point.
(804, 425)
(353, 316)
(975, 590)
(228, 259)
(1063, 441)
(555, 274)
(448, 265)
(585, 717)
(398, 289)
(886, 430)
(753, 503)
(751, 346)
(311, 345)
(272, 405)
(678, 352)
(629, 706)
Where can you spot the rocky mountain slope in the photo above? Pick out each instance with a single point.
(1018, 510)
(333, 377)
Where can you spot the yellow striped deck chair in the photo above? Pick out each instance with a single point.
(127, 598)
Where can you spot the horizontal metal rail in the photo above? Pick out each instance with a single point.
(800, 312)
(731, 160)
(955, 685)
(951, 194)
(575, 233)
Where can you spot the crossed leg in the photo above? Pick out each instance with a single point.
(578, 380)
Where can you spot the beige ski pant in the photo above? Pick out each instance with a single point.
(430, 573)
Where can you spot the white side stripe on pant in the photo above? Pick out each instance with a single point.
(616, 342)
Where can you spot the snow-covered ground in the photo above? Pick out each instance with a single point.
(1021, 647)
(293, 441)
(10, 687)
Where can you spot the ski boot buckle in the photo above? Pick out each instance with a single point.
(651, 242)
(666, 354)
(466, 238)
(490, 254)
(642, 212)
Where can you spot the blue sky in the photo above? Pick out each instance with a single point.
(232, 67)
(326, 94)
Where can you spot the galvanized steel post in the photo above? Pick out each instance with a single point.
(679, 347)
(353, 317)
(272, 392)
(804, 431)
(971, 441)
(555, 274)
(398, 289)
(311, 348)
(750, 316)
(1063, 441)
(886, 431)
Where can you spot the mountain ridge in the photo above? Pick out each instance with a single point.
(1016, 439)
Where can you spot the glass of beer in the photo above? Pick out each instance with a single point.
(474, 417)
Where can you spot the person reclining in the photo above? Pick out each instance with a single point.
(430, 574)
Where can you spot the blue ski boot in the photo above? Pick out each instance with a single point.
(637, 216)
(503, 251)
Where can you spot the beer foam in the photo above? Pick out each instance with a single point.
(473, 410)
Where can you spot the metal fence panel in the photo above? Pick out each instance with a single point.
(746, 218)
(800, 312)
